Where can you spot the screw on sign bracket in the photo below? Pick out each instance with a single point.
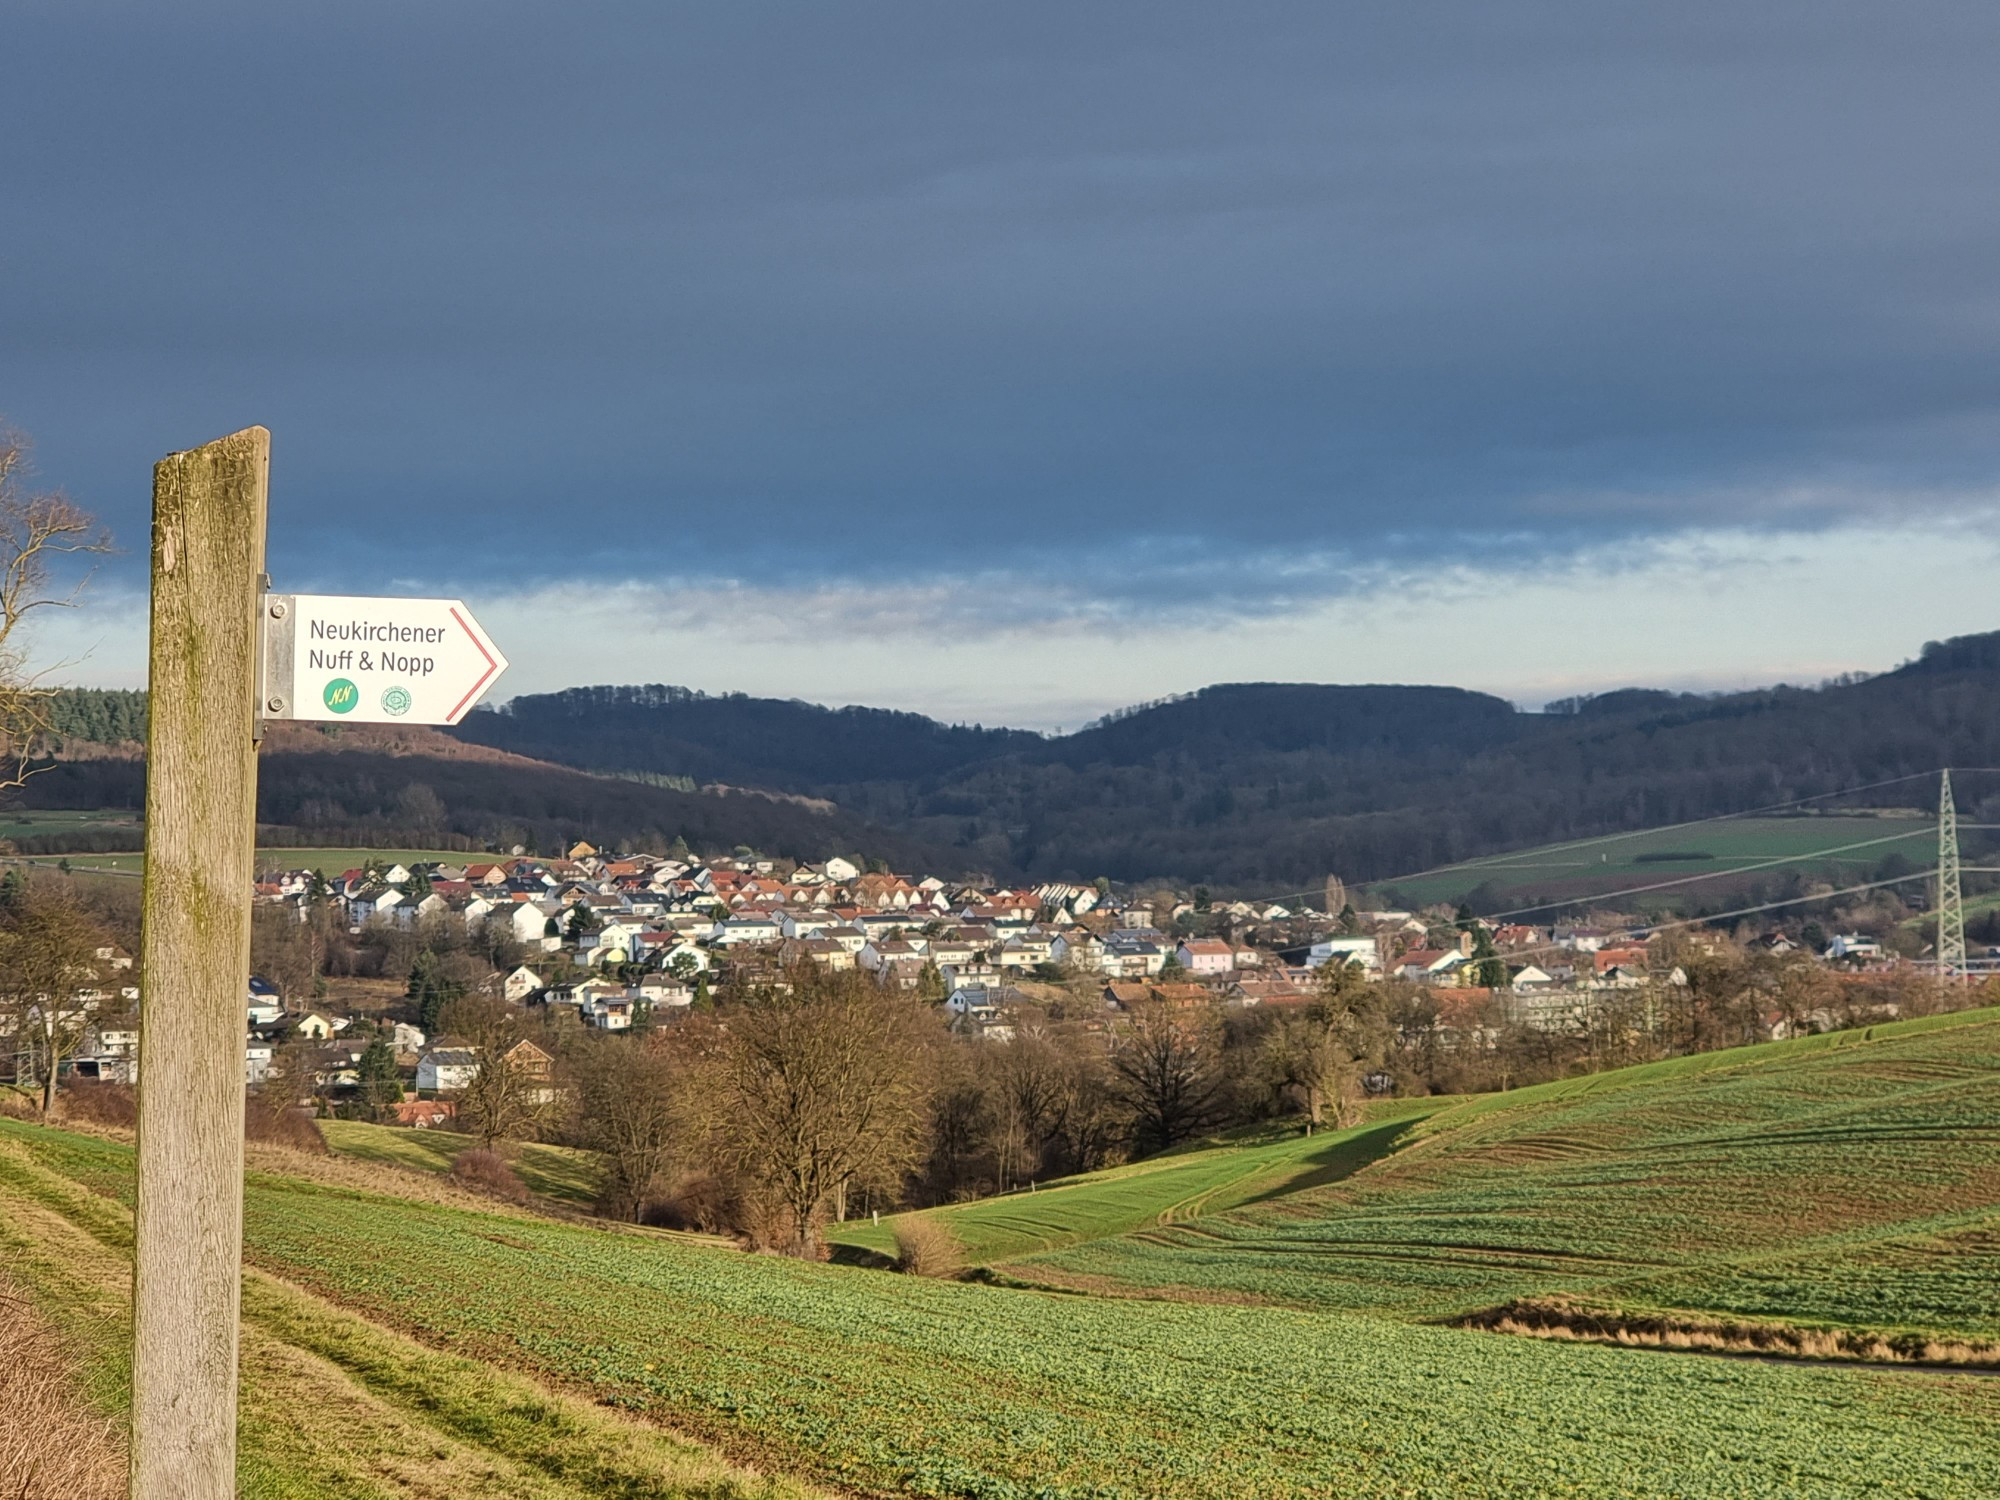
(274, 635)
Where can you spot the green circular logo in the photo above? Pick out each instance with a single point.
(396, 700)
(341, 695)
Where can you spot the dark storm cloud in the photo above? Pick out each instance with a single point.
(1088, 294)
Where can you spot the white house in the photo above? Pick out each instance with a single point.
(1080, 949)
(664, 992)
(385, 905)
(447, 1069)
(801, 924)
(520, 984)
(1352, 950)
(1134, 958)
(1027, 950)
(610, 944)
(840, 871)
(978, 1009)
(527, 923)
(265, 1005)
(1430, 965)
(740, 930)
(1205, 956)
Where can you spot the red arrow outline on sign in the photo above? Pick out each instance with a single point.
(492, 668)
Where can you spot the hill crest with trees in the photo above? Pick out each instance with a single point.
(1264, 785)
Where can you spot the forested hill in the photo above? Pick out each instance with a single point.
(733, 738)
(1273, 785)
(409, 786)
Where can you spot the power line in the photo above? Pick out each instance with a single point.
(1493, 860)
(1742, 911)
(1639, 833)
(1662, 885)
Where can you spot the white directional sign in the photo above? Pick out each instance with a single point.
(374, 661)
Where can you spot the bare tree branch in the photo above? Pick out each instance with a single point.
(37, 530)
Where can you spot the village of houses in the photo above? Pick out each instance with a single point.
(625, 940)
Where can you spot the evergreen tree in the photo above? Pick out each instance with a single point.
(381, 1087)
(703, 1000)
(1488, 968)
(930, 984)
(431, 989)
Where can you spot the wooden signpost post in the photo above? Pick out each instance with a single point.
(219, 665)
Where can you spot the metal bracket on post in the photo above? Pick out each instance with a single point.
(276, 621)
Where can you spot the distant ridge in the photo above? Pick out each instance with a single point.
(1254, 786)
(1269, 785)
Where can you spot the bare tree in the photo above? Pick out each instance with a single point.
(50, 975)
(821, 1086)
(37, 531)
(1307, 1053)
(505, 1099)
(1031, 1084)
(630, 1107)
(1166, 1070)
(285, 951)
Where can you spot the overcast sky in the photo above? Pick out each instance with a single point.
(1018, 362)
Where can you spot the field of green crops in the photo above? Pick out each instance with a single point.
(1183, 1185)
(556, 1172)
(1848, 1180)
(16, 823)
(1277, 1324)
(892, 1385)
(1772, 845)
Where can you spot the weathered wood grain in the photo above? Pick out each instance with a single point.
(201, 802)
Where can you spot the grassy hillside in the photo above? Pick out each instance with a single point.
(1723, 854)
(403, 1323)
(1209, 1179)
(332, 1406)
(555, 1172)
(1850, 1180)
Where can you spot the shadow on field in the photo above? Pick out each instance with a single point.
(1341, 1159)
(856, 1255)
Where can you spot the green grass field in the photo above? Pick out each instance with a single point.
(1184, 1185)
(881, 1384)
(18, 823)
(1571, 872)
(1850, 1180)
(1263, 1318)
(556, 1172)
(329, 861)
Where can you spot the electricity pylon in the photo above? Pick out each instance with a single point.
(1950, 905)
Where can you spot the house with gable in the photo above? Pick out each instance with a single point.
(1205, 956)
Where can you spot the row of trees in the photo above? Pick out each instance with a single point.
(822, 1094)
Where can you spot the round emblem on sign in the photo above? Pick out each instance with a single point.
(341, 695)
(396, 700)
